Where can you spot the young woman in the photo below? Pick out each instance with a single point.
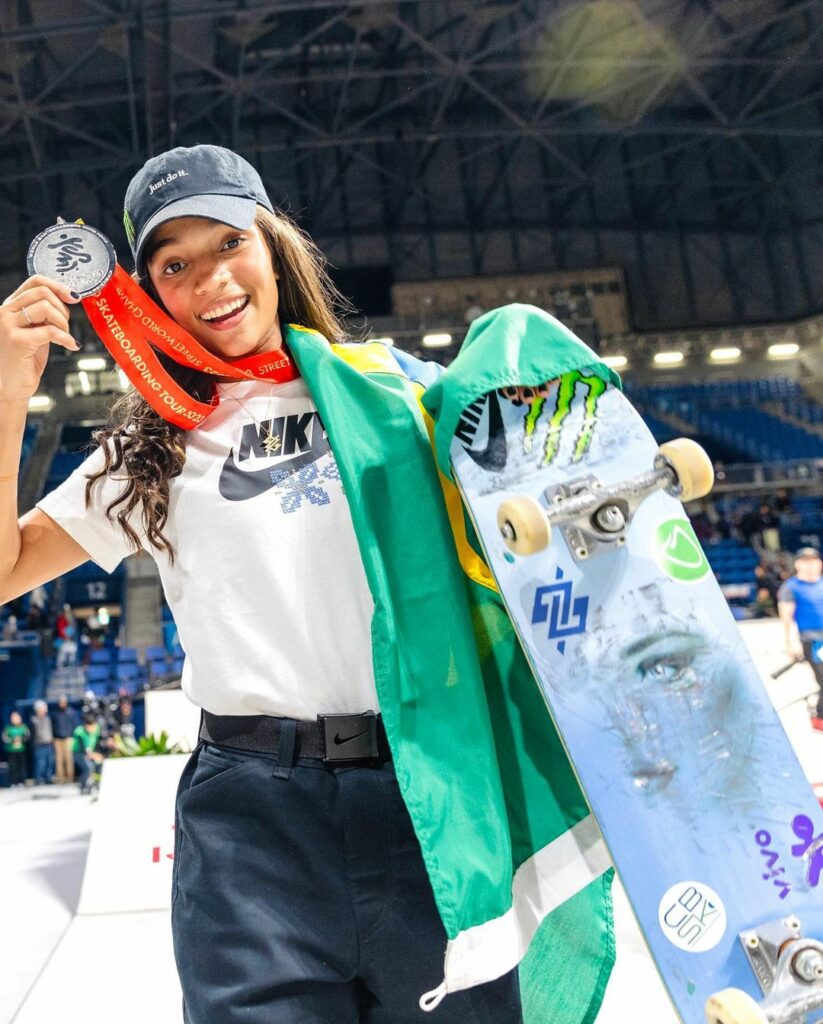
(301, 890)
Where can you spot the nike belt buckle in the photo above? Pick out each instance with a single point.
(349, 737)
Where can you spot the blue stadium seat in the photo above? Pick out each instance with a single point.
(732, 413)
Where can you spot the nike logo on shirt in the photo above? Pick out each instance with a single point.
(303, 440)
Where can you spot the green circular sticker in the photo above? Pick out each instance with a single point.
(678, 553)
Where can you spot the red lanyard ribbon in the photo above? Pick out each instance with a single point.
(129, 322)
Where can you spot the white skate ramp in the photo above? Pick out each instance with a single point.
(129, 864)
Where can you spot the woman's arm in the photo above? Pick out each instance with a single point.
(12, 424)
(35, 549)
(45, 552)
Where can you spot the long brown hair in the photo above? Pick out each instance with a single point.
(148, 451)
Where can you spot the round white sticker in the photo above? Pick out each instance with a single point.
(692, 917)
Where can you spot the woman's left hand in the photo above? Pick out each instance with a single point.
(526, 396)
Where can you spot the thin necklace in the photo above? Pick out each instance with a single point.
(271, 441)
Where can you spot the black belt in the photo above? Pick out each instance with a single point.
(332, 738)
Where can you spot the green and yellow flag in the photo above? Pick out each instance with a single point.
(517, 866)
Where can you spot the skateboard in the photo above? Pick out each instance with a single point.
(711, 825)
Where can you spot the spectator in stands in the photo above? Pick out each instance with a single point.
(15, 737)
(123, 718)
(702, 525)
(748, 526)
(34, 620)
(67, 653)
(782, 501)
(95, 629)
(769, 531)
(800, 603)
(766, 577)
(65, 638)
(39, 599)
(65, 620)
(42, 744)
(10, 629)
(765, 605)
(64, 720)
(87, 755)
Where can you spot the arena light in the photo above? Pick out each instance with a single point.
(783, 350)
(615, 362)
(40, 403)
(382, 341)
(724, 355)
(437, 340)
(125, 383)
(668, 358)
(91, 365)
(85, 383)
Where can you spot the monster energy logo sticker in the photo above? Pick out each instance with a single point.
(678, 553)
(595, 386)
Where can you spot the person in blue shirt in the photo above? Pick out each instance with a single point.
(800, 606)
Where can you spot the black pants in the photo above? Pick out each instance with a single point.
(817, 667)
(304, 900)
(17, 767)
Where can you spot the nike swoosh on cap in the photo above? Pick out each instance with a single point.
(237, 484)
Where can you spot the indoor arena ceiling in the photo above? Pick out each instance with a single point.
(439, 137)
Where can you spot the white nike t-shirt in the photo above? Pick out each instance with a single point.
(267, 588)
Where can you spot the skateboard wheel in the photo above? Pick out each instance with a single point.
(734, 1006)
(523, 525)
(693, 467)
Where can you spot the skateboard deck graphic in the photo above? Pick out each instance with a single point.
(709, 820)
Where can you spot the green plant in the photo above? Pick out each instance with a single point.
(146, 746)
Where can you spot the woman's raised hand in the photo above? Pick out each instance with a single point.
(32, 318)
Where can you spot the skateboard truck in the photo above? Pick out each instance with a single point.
(593, 516)
(789, 969)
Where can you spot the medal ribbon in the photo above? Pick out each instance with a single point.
(129, 322)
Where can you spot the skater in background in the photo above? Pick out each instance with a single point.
(800, 606)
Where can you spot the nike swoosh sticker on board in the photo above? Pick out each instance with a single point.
(495, 455)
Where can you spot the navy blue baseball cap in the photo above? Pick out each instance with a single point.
(195, 181)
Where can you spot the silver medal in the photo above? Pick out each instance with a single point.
(76, 255)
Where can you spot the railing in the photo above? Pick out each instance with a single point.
(766, 475)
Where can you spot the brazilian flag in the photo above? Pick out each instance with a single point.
(517, 866)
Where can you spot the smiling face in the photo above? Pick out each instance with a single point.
(219, 283)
